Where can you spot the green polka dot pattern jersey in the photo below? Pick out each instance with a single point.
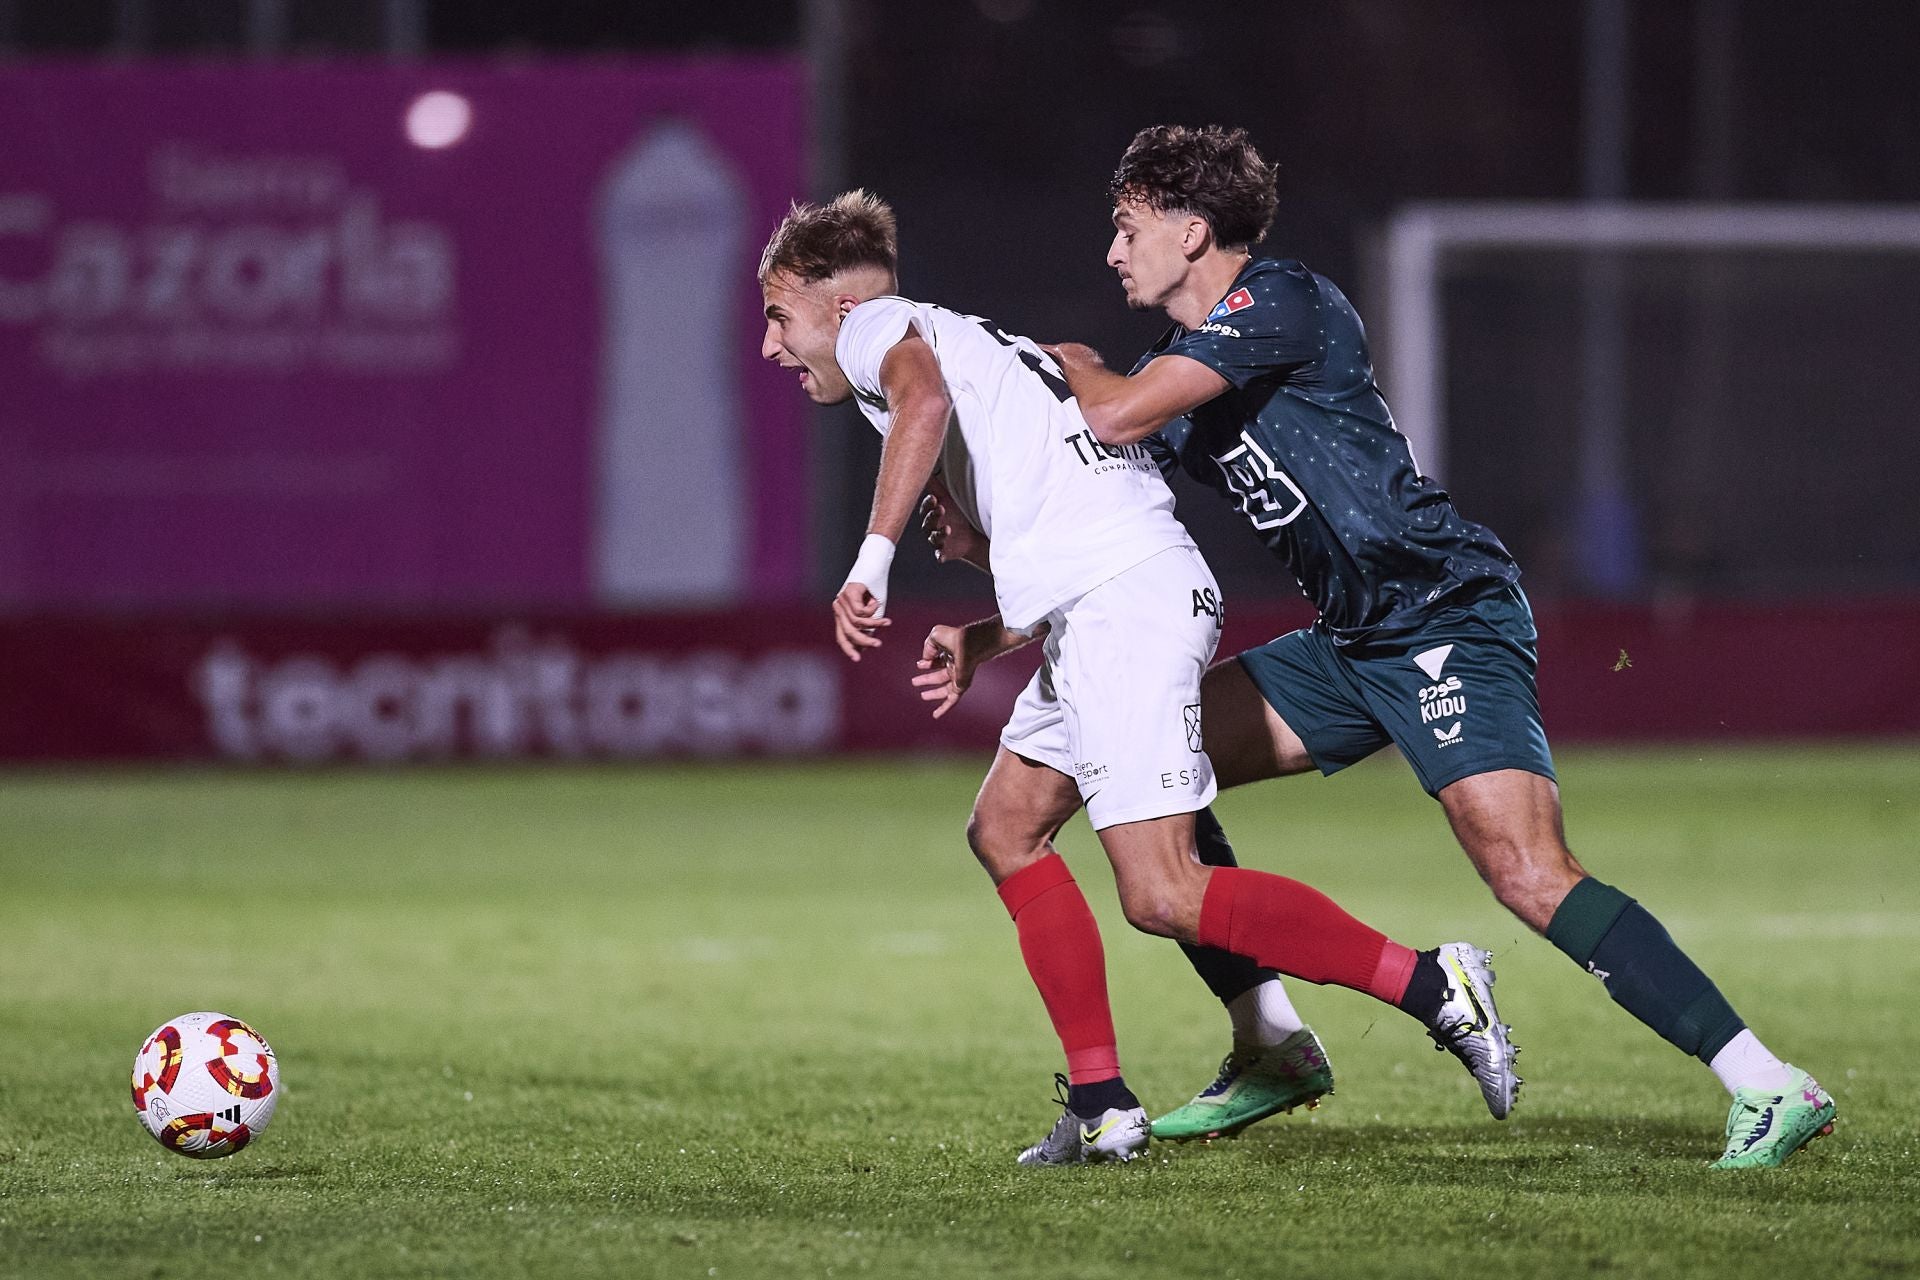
(1303, 444)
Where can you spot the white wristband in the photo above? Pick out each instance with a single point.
(871, 566)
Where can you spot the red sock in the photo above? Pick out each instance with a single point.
(1285, 925)
(1061, 945)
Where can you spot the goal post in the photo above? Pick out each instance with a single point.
(1421, 238)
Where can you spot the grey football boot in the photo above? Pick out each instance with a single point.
(1116, 1134)
(1468, 1026)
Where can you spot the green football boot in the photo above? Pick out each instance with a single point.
(1251, 1086)
(1763, 1129)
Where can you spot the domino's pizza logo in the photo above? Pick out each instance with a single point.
(1238, 300)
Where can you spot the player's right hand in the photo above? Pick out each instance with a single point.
(1073, 355)
(856, 618)
(947, 668)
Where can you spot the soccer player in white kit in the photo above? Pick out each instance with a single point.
(1087, 555)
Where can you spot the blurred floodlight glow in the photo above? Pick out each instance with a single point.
(438, 119)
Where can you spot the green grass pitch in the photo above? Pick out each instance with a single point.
(770, 1021)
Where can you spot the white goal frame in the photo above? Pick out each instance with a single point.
(1419, 237)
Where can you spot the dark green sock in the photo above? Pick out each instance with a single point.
(1647, 974)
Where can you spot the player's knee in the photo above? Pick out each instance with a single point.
(1149, 913)
(980, 838)
(1159, 908)
(1002, 849)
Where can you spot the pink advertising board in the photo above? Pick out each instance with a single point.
(440, 335)
(298, 689)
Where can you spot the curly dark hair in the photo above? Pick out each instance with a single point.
(1211, 172)
(814, 241)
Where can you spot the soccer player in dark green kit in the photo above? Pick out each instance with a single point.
(1263, 390)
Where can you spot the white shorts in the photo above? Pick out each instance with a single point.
(1115, 704)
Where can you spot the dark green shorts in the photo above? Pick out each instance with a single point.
(1456, 697)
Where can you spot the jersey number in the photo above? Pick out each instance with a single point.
(1268, 496)
(1032, 359)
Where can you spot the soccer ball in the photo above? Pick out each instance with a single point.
(205, 1085)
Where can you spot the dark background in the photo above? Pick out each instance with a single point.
(1767, 397)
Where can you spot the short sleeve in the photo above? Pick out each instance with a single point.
(869, 331)
(1269, 326)
(1164, 446)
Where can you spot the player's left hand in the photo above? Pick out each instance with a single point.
(856, 619)
(948, 670)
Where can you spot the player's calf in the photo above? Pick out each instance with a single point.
(1532, 883)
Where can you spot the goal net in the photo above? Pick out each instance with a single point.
(1691, 399)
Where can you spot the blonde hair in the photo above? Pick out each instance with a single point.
(814, 242)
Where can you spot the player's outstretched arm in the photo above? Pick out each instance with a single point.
(1126, 410)
(918, 402)
(950, 655)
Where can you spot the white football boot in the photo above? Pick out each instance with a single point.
(1116, 1134)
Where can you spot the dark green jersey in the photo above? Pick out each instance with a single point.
(1303, 443)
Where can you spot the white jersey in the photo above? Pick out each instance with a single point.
(1065, 513)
